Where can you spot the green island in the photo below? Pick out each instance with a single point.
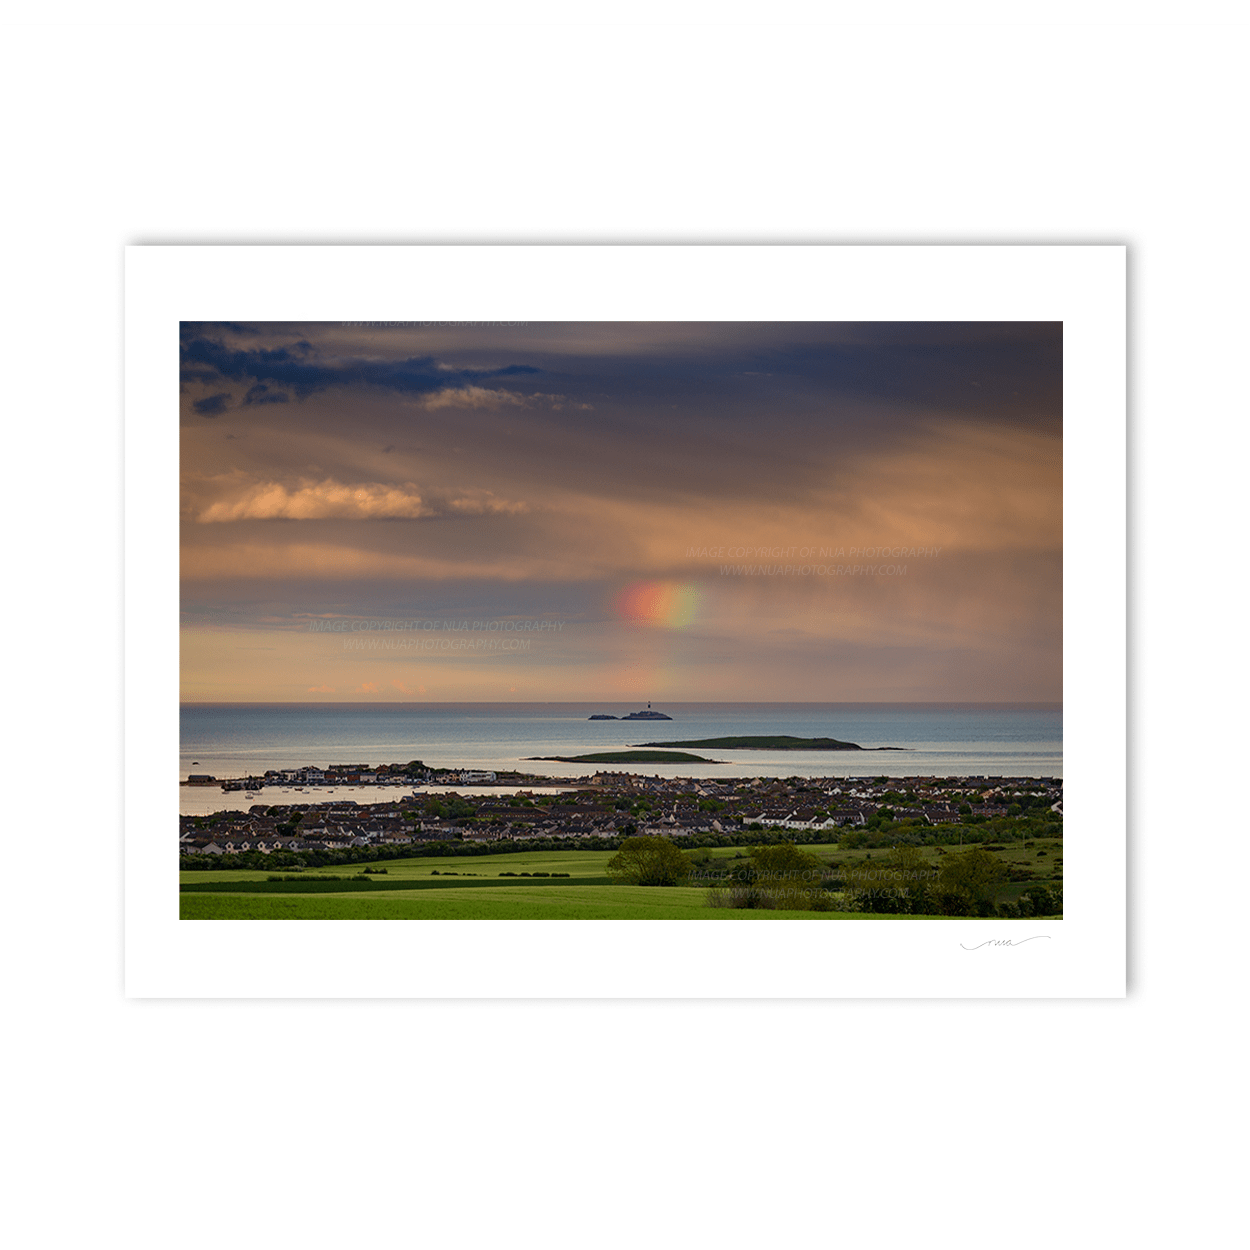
(629, 757)
(777, 742)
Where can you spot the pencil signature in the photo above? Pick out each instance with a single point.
(1004, 942)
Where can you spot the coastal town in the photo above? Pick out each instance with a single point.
(600, 806)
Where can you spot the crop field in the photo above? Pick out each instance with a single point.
(463, 888)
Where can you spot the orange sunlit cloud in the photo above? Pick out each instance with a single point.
(267, 501)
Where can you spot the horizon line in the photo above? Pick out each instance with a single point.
(586, 702)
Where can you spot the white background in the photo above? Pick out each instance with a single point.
(312, 1123)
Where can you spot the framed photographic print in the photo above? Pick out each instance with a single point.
(638, 621)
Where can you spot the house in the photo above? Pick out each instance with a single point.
(437, 831)
(198, 846)
(484, 833)
(846, 816)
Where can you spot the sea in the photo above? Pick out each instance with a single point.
(939, 739)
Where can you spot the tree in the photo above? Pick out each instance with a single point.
(789, 877)
(897, 884)
(1043, 902)
(951, 900)
(649, 861)
(785, 860)
(976, 871)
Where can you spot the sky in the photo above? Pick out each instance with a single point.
(621, 512)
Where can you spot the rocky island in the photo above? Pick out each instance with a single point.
(647, 715)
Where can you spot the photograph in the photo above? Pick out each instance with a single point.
(621, 620)
(756, 483)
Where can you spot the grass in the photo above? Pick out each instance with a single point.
(426, 889)
(374, 885)
(617, 902)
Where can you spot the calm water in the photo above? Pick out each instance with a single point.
(231, 740)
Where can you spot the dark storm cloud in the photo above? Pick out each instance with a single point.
(261, 394)
(300, 368)
(508, 371)
(642, 411)
(994, 372)
(998, 372)
(208, 376)
(214, 405)
(725, 380)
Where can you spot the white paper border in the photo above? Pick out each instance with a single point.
(1081, 956)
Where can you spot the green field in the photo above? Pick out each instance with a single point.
(582, 903)
(422, 889)
(462, 888)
